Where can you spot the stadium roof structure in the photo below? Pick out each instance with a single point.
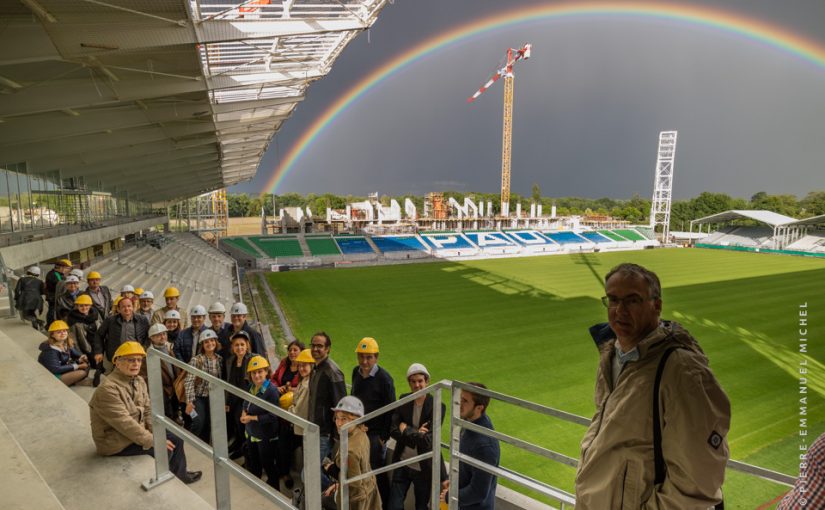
(768, 217)
(164, 98)
(813, 220)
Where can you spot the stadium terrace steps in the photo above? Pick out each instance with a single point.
(52, 461)
(374, 246)
(631, 235)
(304, 247)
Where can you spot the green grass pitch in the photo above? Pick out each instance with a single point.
(520, 326)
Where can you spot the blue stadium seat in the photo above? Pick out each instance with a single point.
(447, 241)
(398, 243)
(566, 237)
(489, 239)
(353, 245)
(529, 238)
(595, 237)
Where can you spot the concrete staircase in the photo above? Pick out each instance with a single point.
(304, 246)
(47, 455)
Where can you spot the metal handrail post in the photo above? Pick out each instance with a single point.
(162, 473)
(435, 469)
(312, 464)
(343, 451)
(455, 438)
(220, 447)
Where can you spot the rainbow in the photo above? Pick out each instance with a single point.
(749, 28)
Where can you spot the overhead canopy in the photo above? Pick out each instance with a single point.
(768, 217)
(813, 220)
(164, 98)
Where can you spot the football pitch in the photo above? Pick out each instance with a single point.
(519, 325)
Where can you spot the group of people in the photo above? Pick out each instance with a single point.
(658, 438)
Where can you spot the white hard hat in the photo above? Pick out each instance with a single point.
(417, 368)
(156, 329)
(33, 270)
(217, 307)
(72, 279)
(350, 404)
(77, 272)
(207, 334)
(127, 288)
(147, 294)
(198, 310)
(171, 314)
(239, 309)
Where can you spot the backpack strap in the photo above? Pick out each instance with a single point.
(658, 457)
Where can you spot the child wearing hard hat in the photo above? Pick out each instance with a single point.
(60, 357)
(363, 494)
(261, 425)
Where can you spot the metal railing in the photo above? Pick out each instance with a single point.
(219, 451)
(434, 455)
(312, 482)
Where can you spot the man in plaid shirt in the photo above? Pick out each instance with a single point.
(808, 492)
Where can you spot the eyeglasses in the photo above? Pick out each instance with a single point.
(318, 346)
(632, 301)
(132, 361)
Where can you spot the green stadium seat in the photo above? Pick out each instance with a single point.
(630, 234)
(278, 246)
(242, 244)
(322, 246)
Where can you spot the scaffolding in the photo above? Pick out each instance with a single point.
(206, 215)
(663, 184)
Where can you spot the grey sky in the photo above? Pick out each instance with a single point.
(588, 108)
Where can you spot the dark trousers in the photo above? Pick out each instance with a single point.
(378, 457)
(286, 448)
(401, 479)
(234, 427)
(260, 458)
(200, 424)
(177, 457)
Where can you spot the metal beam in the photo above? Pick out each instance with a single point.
(159, 162)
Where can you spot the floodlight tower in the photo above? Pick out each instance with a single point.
(663, 184)
(513, 56)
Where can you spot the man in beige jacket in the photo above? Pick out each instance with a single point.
(618, 467)
(122, 417)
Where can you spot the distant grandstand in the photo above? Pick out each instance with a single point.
(315, 250)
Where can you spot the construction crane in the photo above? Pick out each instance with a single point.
(513, 56)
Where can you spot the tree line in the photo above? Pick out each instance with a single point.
(635, 209)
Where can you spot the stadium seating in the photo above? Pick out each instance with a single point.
(354, 245)
(449, 242)
(630, 235)
(242, 244)
(278, 247)
(321, 246)
(596, 237)
(529, 238)
(814, 242)
(752, 237)
(389, 244)
(612, 235)
(567, 238)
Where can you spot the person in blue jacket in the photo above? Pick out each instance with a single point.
(476, 488)
(188, 339)
(261, 425)
(62, 359)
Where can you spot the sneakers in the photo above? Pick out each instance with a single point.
(192, 477)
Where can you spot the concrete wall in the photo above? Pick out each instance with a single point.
(21, 255)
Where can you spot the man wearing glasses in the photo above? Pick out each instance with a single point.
(326, 389)
(121, 415)
(658, 438)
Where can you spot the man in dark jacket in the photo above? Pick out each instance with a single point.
(119, 328)
(57, 274)
(189, 338)
(238, 315)
(476, 488)
(100, 294)
(326, 388)
(412, 430)
(375, 388)
(27, 296)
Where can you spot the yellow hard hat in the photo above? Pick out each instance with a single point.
(367, 345)
(305, 356)
(286, 400)
(64, 262)
(117, 300)
(171, 292)
(129, 349)
(93, 275)
(139, 291)
(83, 299)
(257, 363)
(58, 326)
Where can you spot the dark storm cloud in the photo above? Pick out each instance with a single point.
(589, 106)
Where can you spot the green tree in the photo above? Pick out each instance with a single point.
(813, 204)
(536, 193)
